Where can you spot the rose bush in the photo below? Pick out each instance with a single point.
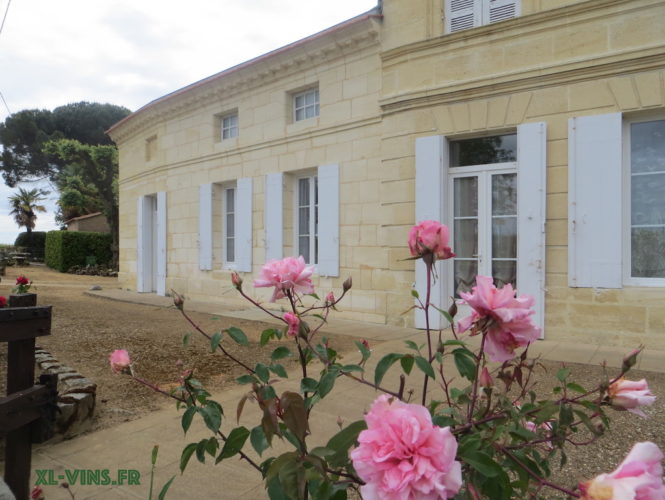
(486, 434)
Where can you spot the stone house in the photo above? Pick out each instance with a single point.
(533, 128)
(95, 223)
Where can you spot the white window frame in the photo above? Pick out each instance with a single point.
(484, 212)
(230, 129)
(481, 14)
(313, 218)
(227, 264)
(316, 104)
(626, 205)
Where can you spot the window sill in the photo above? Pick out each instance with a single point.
(226, 144)
(299, 126)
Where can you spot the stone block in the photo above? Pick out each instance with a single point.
(78, 385)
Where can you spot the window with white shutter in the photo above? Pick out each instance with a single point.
(466, 14)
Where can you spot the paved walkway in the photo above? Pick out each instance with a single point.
(128, 446)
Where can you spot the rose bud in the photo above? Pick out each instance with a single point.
(348, 283)
(630, 360)
(178, 301)
(330, 298)
(452, 310)
(293, 323)
(630, 395)
(236, 280)
(365, 343)
(485, 379)
(120, 362)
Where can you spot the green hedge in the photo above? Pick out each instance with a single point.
(65, 249)
(33, 242)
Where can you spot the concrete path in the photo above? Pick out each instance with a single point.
(128, 446)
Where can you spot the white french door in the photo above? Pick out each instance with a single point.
(483, 225)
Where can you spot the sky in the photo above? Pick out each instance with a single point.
(129, 52)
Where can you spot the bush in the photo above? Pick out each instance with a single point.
(65, 249)
(33, 243)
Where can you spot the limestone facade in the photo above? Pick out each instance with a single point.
(385, 79)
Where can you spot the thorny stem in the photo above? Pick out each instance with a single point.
(541, 481)
(219, 346)
(474, 395)
(157, 389)
(428, 260)
(257, 304)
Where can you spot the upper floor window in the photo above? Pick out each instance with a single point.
(306, 105)
(646, 200)
(229, 126)
(465, 14)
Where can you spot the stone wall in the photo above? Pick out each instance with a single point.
(76, 396)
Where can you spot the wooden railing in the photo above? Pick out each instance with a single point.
(27, 413)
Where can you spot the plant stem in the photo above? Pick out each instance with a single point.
(429, 261)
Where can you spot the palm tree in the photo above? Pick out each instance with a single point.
(24, 206)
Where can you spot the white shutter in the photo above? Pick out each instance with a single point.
(205, 227)
(328, 258)
(243, 225)
(500, 10)
(272, 211)
(462, 14)
(594, 201)
(141, 243)
(161, 243)
(431, 179)
(531, 202)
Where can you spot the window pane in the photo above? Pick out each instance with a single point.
(465, 243)
(300, 114)
(648, 199)
(465, 275)
(230, 250)
(504, 272)
(303, 247)
(300, 101)
(303, 221)
(648, 257)
(309, 98)
(303, 192)
(504, 194)
(309, 112)
(647, 146)
(504, 238)
(230, 200)
(483, 150)
(466, 197)
(230, 225)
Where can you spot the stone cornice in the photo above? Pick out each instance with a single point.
(254, 147)
(624, 63)
(342, 40)
(514, 28)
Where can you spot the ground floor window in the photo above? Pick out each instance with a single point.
(228, 216)
(307, 218)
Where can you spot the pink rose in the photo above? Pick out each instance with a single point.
(509, 318)
(330, 298)
(630, 395)
(290, 273)
(3, 301)
(639, 477)
(546, 427)
(119, 361)
(293, 323)
(402, 455)
(430, 237)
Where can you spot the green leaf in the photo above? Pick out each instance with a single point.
(382, 367)
(215, 340)
(407, 363)
(575, 387)
(364, 351)
(278, 370)
(411, 345)
(414, 293)
(165, 489)
(186, 455)
(238, 335)
(425, 367)
(266, 335)
(327, 382)
(280, 353)
(246, 379)
(465, 363)
(258, 439)
(267, 392)
(187, 418)
(262, 372)
(483, 463)
(201, 450)
(352, 368)
(186, 338)
(562, 374)
(454, 342)
(211, 416)
(343, 440)
(309, 385)
(234, 443)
